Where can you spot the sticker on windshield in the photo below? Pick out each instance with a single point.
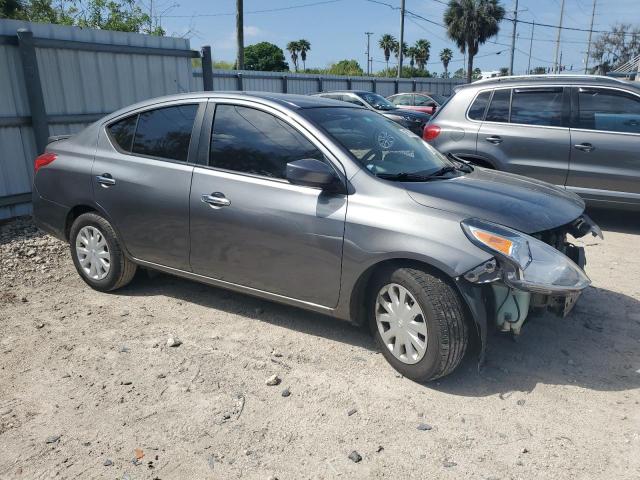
(385, 140)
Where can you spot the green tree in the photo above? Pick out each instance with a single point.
(345, 67)
(459, 73)
(445, 57)
(11, 8)
(504, 71)
(294, 48)
(470, 23)
(477, 74)
(412, 53)
(304, 46)
(387, 43)
(423, 48)
(538, 71)
(265, 56)
(396, 49)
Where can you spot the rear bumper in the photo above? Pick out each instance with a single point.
(49, 216)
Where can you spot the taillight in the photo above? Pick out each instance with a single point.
(430, 132)
(42, 160)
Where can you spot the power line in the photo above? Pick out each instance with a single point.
(267, 10)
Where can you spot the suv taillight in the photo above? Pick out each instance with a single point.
(430, 132)
(42, 160)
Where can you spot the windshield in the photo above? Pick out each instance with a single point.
(377, 101)
(440, 99)
(380, 145)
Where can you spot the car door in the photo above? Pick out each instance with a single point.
(141, 179)
(525, 131)
(249, 225)
(605, 136)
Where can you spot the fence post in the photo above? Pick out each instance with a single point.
(207, 69)
(396, 85)
(320, 85)
(285, 86)
(35, 97)
(240, 81)
(349, 83)
(375, 85)
(413, 86)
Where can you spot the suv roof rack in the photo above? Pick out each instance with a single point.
(548, 77)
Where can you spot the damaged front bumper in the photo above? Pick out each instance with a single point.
(528, 272)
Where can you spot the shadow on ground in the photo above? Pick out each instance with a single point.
(621, 221)
(594, 348)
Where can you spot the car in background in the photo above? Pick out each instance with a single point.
(420, 101)
(414, 121)
(581, 132)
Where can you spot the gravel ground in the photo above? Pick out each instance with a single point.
(89, 387)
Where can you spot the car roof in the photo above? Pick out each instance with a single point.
(343, 91)
(547, 79)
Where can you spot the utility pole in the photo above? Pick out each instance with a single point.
(401, 38)
(368, 34)
(533, 27)
(586, 59)
(555, 61)
(513, 38)
(240, 35)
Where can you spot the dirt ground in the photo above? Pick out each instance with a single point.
(90, 389)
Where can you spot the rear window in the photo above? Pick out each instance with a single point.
(479, 106)
(122, 132)
(442, 105)
(499, 108)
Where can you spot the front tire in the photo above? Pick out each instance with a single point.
(419, 323)
(97, 254)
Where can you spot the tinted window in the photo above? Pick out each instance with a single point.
(499, 108)
(425, 101)
(540, 106)
(165, 132)
(351, 99)
(609, 110)
(476, 112)
(248, 140)
(122, 132)
(402, 100)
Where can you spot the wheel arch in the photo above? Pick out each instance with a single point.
(81, 209)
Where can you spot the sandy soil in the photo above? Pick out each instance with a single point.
(90, 389)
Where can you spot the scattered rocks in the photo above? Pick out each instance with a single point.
(174, 342)
(286, 392)
(424, 427)
(126, 382)
(39, 325)
(107, 463)
(53, 439)
(521, 402)
(5, 411)
(273, 380)
(352, 411)
(448, 464)
(379, 449)
(211, 461)
(355, 457)
(524, 450)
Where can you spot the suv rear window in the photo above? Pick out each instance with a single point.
(476, 112)
(499, 108)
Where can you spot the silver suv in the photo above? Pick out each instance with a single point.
(576, 131)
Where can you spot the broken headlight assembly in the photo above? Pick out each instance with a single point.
(526, 263)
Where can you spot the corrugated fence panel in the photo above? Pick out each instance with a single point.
(96, 76)
(385, 87)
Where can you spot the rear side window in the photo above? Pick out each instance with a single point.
(537, 106)
(165, 132)
(479, 106)
(247, 140)
(608, 110)
(499, 108)
(122, 132)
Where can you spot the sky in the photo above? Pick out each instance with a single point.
(336, 28)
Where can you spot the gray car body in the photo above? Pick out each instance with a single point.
(289, 243)
(608, 175)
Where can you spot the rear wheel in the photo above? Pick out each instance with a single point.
(97, 253)
(419, 323)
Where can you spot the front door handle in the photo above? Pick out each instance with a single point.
(215, 200)
(495, 139)
(585, 147)
(105, 180)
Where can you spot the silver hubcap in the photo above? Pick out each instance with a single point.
(93, 253)
(401, 323)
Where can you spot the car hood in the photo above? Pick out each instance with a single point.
(514, 201)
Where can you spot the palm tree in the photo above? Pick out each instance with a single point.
(396, 50)
(445, 56)
(387, 43)
(470, 23)
(412, 54)
(304, 46)
(422, 46)
(294, 48)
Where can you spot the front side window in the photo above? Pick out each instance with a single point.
(165, 132)
(251, 141)
(122, 132)
(402, 100)
(499, 108)
(377, 143)
(377, 101)
(352, 99)
(425, 101)
(608, 110)
(479, 106)
(537, 106)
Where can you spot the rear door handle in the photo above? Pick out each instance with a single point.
(215, 200)
(106, 180)
(585, 147)
(495, 139)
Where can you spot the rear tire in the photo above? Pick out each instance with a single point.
(441, 323)
(97, 254)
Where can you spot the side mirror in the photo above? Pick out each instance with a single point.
(311, 173)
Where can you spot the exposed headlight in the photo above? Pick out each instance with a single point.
(528, 264)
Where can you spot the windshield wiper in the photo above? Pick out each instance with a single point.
(416, 176)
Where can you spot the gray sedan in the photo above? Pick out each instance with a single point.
(318, 204)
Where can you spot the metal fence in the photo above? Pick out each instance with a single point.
(300, 83)
(56, 80)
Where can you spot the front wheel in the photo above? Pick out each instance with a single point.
(97, 253)
(419, 323)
